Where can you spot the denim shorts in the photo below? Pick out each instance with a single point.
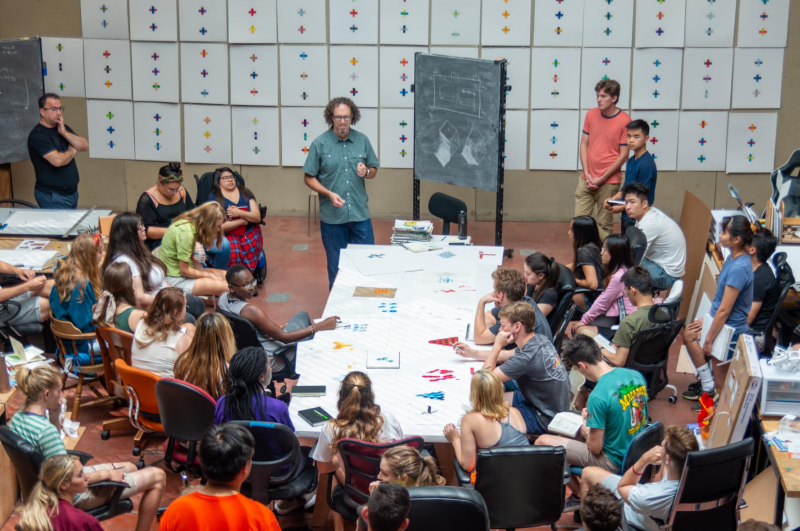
(529, 414)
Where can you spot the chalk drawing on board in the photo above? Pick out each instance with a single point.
(448, 143)
(475, 147)
(457, 94)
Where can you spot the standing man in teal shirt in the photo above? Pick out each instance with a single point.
(337, 165)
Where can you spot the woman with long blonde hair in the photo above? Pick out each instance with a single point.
(492, 423)
(49, 506)
(77, 287)
(190, 232)
(406, 466)
(159, 338)
(205, 363)
(359, 418)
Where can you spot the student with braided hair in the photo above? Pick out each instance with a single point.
(405, 465)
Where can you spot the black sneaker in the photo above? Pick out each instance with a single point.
(573, 503)
(695, 385)
(694, 392)
(697, 407)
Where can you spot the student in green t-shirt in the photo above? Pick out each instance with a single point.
(639, 290)
(615, 413)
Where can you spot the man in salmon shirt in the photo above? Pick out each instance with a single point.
(604, 149)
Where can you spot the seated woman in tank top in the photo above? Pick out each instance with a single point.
(272, 336)
(116, 307)
(492, 423)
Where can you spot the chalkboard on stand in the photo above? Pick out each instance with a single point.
(21, 84)
(459, 125)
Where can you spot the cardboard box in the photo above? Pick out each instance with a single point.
(738, 396)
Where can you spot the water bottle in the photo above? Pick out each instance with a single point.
(462, 225)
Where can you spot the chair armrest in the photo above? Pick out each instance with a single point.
(566, 472)
(329, 492)
(462, 475)
(83, 456)
(117, 484)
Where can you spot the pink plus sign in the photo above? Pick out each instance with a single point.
(252, 12)
(207, 120)
(207, 149)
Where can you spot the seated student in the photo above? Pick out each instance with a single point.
(509, 287)
(541, 276)
(665, 255)
(406, 466)
(203, 226)
(77, 286)
(49, 506)
(586, 262)
(640, 168)
(226, 455)
(615, 413)
(387, 508)
(205, 362)
(601, 510)
(646, 503)
(535, 365)
(492, 423)
(613, 304)
(359, 417)
(730, 306)
(242, 230)
(38, 421)
(159, 338)
(126, 244)
(639, 289)
(116, 306)
(162, 203)
(766, 293)
(241, 286)
(32, 295)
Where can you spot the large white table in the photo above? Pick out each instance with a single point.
(436, 301)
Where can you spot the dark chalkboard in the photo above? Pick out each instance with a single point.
(459, 126)
(21, 84)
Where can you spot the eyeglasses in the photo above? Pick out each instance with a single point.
(141, 228)
(171, 190)
(56, 109)
(342, 118)
(228, 178)
(250, 285)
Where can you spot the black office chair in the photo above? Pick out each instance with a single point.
(523, 486)
(561, 315)
(447, 208)
(438, 508)
(715, 476)
(782, 177)
(27, 460)
(361, 461)
(785, 321)
(244, 332)
(649, 353)
(650, 437)
(16, 203)
(638, 244)
(175, 399)
(278, 478)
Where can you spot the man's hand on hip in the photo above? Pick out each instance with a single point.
(337, 201)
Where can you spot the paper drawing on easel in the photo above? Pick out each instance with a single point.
(444, 342)
(448, 143)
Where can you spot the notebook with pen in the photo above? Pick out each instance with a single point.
(316, 416)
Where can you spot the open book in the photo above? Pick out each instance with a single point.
(720, 347)
(605, 343)
(566, 423)
(23, 355)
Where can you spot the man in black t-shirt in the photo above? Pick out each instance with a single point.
(765, 286)
(52, 146)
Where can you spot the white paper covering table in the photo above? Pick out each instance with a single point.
(436, 301)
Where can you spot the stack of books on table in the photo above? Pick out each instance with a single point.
(411, 231)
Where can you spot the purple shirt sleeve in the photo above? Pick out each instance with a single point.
(285, 419)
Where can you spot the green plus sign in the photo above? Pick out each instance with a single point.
(655, 124)
(109, 115)
(456, 13)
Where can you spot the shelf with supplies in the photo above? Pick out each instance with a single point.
(787, 230)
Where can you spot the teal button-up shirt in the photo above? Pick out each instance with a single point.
(334, 162)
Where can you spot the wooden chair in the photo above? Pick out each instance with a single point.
(115, 344)
(65, 333)
(143, 412)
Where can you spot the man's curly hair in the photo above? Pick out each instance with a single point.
(335, 102)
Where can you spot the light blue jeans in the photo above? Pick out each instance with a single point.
(222, 257)
(660, 277)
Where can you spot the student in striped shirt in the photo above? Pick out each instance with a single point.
(38, 422)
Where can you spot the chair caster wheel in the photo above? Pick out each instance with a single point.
(672, 399)
(137, 451)
(140, 464)
(105, 434)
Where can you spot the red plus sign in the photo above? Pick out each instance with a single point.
(204, 53)
(404, 62)
(703, 124)
(752, 127)
(106, 54)
(354, 13)
(653, 141)
(252, 12)
(254, 92)
(301, 29)
(304, 150)
(660, 15)
(708, 63)
(763, 32)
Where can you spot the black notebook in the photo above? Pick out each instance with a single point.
(315, 416)
(308, 390)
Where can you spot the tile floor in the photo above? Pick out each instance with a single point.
(301, 273)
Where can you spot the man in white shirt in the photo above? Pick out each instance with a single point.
(648, 502)
(665, 256)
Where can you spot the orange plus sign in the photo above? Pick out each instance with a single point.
(353, 61)
(506, 14)
(506, 30)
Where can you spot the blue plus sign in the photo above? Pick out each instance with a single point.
(404, 29)
(553, 140)
(303, 56)
(554, 125)
(559, 15)
(657, 63)
(759, 62)
(656, 94)
(301, 12)
(204, 93)
(203, 31)
(757, 78)
(656, 78)
(110, 130)
(353, 28)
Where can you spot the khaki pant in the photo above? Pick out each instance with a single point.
(588, 201)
